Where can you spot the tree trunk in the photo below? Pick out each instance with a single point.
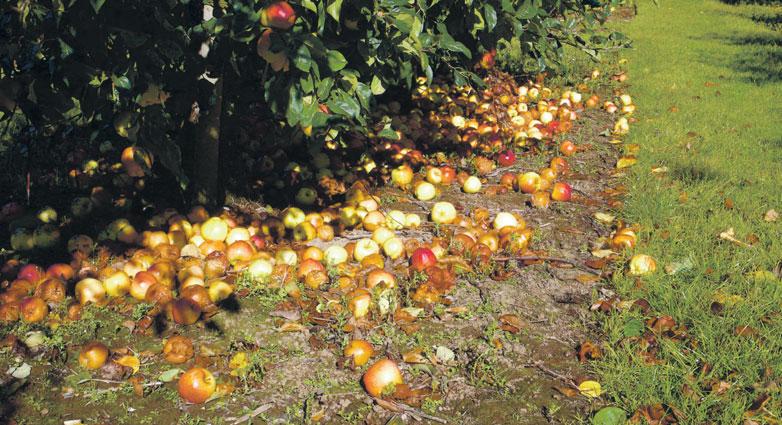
(207, 152)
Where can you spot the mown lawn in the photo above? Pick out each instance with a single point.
(707, 78)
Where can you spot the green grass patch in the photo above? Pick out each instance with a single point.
(706, 77)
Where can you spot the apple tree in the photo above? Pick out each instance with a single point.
(172, 76)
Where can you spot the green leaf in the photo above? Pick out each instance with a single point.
(609, 416)
(310, 5)
(121, 82)
(633, 327)
(490, 15)
(336, 60)
(169, 375)
(303, 60)
(345, 105)
(447, 42)
(388, 133)
(377, 86)
(97, 4)
(324, 87)
(334, 9)
(295, 106)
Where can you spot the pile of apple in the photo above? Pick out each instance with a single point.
(186, 264)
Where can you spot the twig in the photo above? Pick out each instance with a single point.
(417, 414)
(554, 259)
(247, 417)
(544, 369)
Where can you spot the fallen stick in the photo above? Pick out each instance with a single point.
(544, 369)
(246, 417)
(554, 259)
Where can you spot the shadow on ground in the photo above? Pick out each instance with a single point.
(759, 60)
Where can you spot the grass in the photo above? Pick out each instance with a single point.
(714, 71)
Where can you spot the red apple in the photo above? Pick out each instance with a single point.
(561, 192)
(422, 258)
(279, 15)
(31, 272)
(448, 175)
(506, 158)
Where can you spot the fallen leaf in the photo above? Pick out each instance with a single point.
(609, 416)
(660, 170)
(586, 278)
(728, 203)
(730, 236)
(415, 356)
(625, 162)
(511, 323)
(590, 389)
(129, 361)
(291, 327)
(588, 351)
(169, 375)
(604, 217)
(771, 216)
(679, 266)
(603, 253)
(21, 371)
(566, 391)
(673, 108)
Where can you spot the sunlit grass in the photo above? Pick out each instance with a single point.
(710, 70)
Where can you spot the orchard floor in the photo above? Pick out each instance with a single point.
(505, 351)
(707, 77)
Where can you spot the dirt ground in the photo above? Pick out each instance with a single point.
(504, 351)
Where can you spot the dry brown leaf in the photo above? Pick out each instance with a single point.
(728, 203)
(291, 327)
(771, 216)
(586, 278)
(415, 356)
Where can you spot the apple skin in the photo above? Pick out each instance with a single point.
(360, 351)
(541, 200)
(472, 185)
(402, 175)
(279, 15)
(434, 175)
(567, 148)
(381, 375)
(529, 182)
(421, 259)
(561, 192)
(425, 191)
(306, 196)
(443, 213)
(93, 355)
(506, 158)
(448, 175)
(196, 385)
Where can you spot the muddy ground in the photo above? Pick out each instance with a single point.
(483, 370)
